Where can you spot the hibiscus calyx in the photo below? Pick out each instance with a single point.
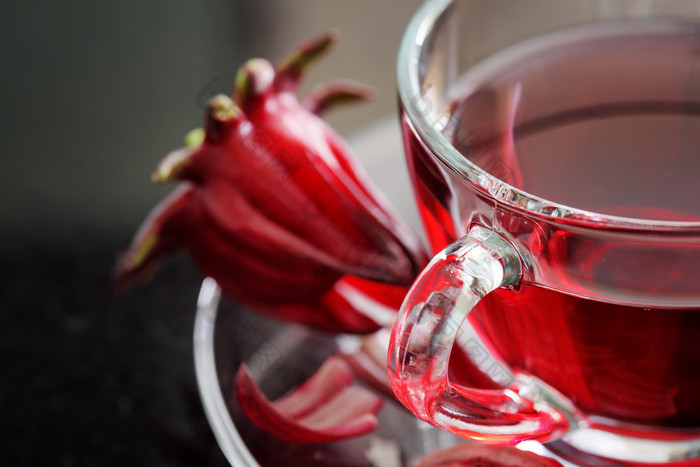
(273, 206)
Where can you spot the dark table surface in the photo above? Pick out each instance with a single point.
(91, 378)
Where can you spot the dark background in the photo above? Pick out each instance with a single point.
(93, 95)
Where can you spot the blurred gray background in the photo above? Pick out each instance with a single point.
(94, 93)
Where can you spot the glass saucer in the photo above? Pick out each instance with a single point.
(280, 356)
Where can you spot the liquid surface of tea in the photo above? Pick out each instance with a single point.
(605, 119)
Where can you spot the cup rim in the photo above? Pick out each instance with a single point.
(418, 30)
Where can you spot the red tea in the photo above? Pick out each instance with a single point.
(605, 119)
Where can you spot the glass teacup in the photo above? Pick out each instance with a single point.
(554, 149)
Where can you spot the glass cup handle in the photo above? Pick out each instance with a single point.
(426, 330)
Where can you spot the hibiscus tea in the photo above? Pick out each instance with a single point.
(606, 119)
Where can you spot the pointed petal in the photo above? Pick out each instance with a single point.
(404, 255)
(336, 93)
(253, 79)
(162, 232)
(292, 67)
(332, 377)
(277, 228)
(222, 116)
(174, 166)
(252, 266)
(333, 408)
(353, 222)
(343, 408)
